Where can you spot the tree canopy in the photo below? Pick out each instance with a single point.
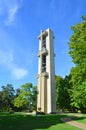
(77, 50)
(7, 97)
(27, 97)
(63, 87)
(23, 98)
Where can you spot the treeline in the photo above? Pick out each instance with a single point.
(23, 98)
(66, 93)
(63, 89)
(71, 91)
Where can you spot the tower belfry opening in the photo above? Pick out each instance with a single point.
(46, 99)
(44, 63)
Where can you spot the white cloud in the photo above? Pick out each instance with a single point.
(11, 15)
(9, 9)
(7, 61)
(18, 73)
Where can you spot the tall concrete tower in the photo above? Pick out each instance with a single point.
(46, 97)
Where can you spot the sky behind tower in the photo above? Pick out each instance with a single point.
(20, 25)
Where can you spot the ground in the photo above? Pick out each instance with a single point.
(23, 121)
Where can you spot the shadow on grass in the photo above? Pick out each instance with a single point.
(75, 118)
(27, 122)
(72, 118)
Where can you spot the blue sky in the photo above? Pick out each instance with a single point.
(20, 25)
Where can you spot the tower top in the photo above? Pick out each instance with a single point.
(45, 33)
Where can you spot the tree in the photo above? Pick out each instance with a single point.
(59, 92)
(79, 96)
(17, 92)
(63, 87)
(34, 98)
(1, 102)
(84, 17)
(24, 97)
(27, 97)
(77, 50)
(7, 96)
(67, 89)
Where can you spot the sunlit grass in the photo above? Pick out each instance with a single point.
(81, 118)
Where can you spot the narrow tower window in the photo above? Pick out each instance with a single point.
(44, 42)
(43, 63)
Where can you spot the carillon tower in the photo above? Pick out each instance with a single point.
(46, 97)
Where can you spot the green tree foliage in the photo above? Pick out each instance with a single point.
(17, 92)
(79, 96)
(67, 89)
(1, 102)
(84, 17)
(63, 87)
(22, 98)
(7, 96)
(34, 98)
(77, 50)
(59, 92)
(26, 98)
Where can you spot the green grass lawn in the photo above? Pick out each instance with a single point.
(78, 117)
(19, 121)
(81, 118)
